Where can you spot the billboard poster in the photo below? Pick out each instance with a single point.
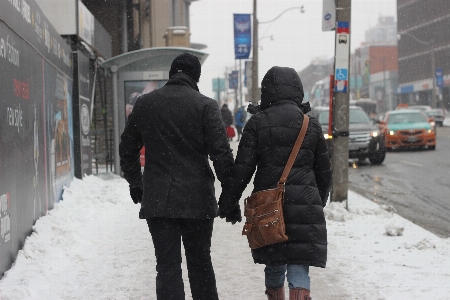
(36, 67)
(242, 36)
(85, 24)
(82, 107)
(59, 126)
(135, 88)
(22, 178)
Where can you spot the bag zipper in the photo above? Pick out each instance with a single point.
(267, 224)
(262, 215)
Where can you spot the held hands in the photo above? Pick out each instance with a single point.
(136, 194)
(232, 216)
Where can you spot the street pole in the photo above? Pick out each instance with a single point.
(385, 96)
(255, 84)
(433, 76)
(340, 156)
(240, 86)
(218, 89)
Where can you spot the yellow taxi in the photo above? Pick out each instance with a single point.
(405, 128)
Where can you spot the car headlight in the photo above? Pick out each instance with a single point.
(391, 132)
(429, 130)
(327, 136)
(375, 133)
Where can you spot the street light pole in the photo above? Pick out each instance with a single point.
(433, 77)
(255, 96)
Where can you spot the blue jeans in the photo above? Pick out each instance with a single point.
(297, 276)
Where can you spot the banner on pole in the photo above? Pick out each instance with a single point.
(242, 36)
(233, 78)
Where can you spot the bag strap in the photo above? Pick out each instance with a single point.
(294, 152)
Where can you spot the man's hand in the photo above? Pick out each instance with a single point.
(136, 194)
(231, 216)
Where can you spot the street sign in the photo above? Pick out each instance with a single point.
(218, 84)
(328, 15)
(342, 56)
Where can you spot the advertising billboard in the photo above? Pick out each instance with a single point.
(82, 109)
(35, 127)
(135, 88)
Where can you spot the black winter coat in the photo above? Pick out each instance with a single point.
(179, 128)
(227, 116)
(267, 142)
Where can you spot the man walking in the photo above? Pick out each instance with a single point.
(179, 128)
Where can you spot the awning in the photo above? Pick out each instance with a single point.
(150, 59)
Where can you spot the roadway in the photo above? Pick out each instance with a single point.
(416, 182)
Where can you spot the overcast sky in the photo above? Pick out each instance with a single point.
(297, 37)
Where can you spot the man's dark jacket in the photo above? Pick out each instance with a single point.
(267, 142)
(179, 128)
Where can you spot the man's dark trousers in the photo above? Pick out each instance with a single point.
(196, 234)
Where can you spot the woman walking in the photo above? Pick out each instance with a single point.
(266, 144)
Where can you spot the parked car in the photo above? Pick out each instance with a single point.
(437, 114)
(408, 128)
(365, 139)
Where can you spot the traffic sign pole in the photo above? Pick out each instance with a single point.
(340, 113)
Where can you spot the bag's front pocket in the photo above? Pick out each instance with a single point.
(272, 230)
(253, 236)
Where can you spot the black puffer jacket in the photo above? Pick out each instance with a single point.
(267, 141)
(179, 128)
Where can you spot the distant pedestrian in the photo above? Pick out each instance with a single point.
(179, 128)
(239, 119)
(227, 117)
(266, 144)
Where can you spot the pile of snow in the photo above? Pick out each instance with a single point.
(92, 245)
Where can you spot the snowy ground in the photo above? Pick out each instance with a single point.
(447, 121)
(93, 246)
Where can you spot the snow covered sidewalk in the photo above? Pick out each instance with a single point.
(93, 246)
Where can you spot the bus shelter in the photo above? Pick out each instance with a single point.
(136, 73)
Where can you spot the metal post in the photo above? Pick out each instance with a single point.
(124, 33)
(385, 96)
(433, 76)
(218, 89)
(255, 84)
(116, 120)
(341, 121)
(240, 86)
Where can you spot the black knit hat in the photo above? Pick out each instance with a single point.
(188, 64)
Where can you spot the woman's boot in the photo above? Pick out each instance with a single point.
(299, 294)
(275, 294)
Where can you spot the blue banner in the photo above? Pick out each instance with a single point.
(242, 36)
(233, 78)
(439, 77)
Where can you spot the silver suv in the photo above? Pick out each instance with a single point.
(365, 138)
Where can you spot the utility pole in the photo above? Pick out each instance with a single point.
(433, 76)
(340, 122)
(386, 98)
(255, 84)
(240, 87)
